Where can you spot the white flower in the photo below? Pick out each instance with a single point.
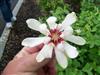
(55, 39)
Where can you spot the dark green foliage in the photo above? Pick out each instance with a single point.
(89, 24)
(49, 5)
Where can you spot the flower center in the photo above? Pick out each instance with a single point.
(55, 36)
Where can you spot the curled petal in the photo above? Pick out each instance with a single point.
(69, 19)
(46, 52)
(61, 59)
(36, 25)
(52, 22)
(75, 39)
(71, 51)
(31, 42)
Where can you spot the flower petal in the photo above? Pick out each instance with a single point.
(31, 42)
(52, 22)
(33, 24)
(61, 59)
(71, 51)
(69, 19)
(60, 47)
(66, 32)
(43, 29)
(36, 25)
(46, 52)
(75, 39)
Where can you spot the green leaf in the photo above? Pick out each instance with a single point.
(76, 63)
(71, 71)
(87, 68)
(99, 52)
(60, 73)
(80, 73)
(97, 69)
(89, 73)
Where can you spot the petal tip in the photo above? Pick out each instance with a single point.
(28, 20)
(75, 56)
(70, 19)
(51, 19)
(23, 43)
(73, 13)
(83, 42)
(65, 66)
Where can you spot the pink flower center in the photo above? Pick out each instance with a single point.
(55, 36)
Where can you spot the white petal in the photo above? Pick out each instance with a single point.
(31, 42)
(69, 19)
(66, 32)
(59, 26)
(33, 24)
(75, 39)
(43, 29)
(52, 22)
(71, 51)
(60, 47)
(46, 52)
(61, 59)
(36, 25)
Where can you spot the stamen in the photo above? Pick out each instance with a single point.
(55, 36)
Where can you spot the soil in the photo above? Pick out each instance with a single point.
(20, 31)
